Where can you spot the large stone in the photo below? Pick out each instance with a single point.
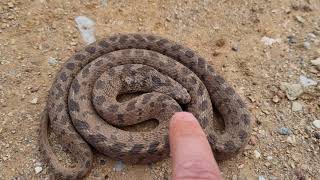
(293, 91)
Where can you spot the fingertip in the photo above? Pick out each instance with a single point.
(180, 118)
(184, 123)
(183, 116)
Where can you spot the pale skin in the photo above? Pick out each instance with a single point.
(192, 157)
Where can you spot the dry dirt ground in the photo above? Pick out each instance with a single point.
(284, 142)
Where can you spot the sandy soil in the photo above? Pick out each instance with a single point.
(227, 33)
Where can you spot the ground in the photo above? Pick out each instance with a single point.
(256, 45)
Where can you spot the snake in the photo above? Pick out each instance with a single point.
(160, 77)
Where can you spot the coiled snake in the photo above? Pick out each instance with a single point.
(83, 108)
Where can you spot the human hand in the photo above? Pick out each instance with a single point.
(192, 157)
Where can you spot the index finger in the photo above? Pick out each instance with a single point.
(192, 157)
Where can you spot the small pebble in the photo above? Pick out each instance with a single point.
(269, 158)
(307, 45)
(269, 41)
(300, 19)
(52, 61)
(10, 5)
(34, 101)
(296, 106)
(73, 43)
(306, 82)
(276, 99)
(292, 40)
(86, 28)
(235, 48)
(273, 178)
(312, 35)
(291, 139)
(38, 169)
(261, 178)
(316, 62)
(284, 131)
(317, 135)
(257, 154)
(119, 166)
(316, 123)
(104, 3)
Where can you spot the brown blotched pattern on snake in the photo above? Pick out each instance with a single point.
(83, 109)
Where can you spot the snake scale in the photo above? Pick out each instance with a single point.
(83, 109)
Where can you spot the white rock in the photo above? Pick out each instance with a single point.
(38, 169)
(261, 178)
(293, 91)
(257, 154)
(316, 62)
(119, 166)
(307, 82)
(104, 3)
(312, 35)
(296, 106)
(269, 158)
(86, 28)
(300, 19)
(11, 5)
(273, 178)
(269, 41)
(316, 123)
(291, 139)
(52, 61)
(307, 45)
(34, 101)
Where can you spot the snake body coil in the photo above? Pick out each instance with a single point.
(83, 106)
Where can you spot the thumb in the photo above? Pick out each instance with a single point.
(191, 153)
